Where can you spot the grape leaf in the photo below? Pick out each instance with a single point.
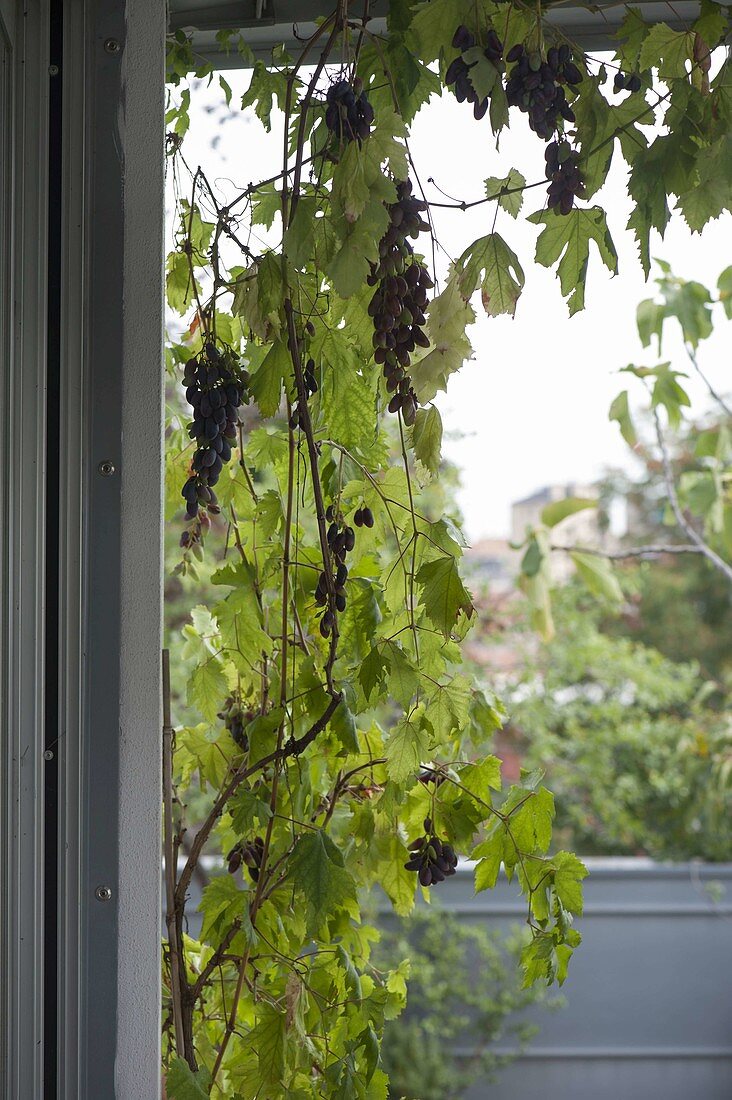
(179, 289)
(181, 1083)
(566, 238)
(266, 86)
(492, 265)
(265, 384)
(647, 188)
(207, 688)
(569, 871)
(407, 746)
(620, 411)
(508, 191)
(443, 593)
(448, 316)
(666, 50)
(318, 871)
(427, 437)
(268, 1039)
(597, 573)
(711, 193)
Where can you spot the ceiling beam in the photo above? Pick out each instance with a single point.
(268, 23)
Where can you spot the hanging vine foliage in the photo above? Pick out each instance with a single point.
(340, 745)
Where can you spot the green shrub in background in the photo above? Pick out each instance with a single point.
(638, 746)
(465, 998)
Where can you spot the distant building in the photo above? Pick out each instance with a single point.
(492, 562)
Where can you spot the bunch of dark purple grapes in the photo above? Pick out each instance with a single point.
(363, 517)
(562, 168)
(433, 859)
(349, 114)
(457, 76)
(236, 718)
(215, 389)
(535, 86)
(398, 304)
(627, 82)
(248, 852)
(341, 540)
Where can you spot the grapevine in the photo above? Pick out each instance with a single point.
(337, 743)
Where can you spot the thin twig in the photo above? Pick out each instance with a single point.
(689, 530)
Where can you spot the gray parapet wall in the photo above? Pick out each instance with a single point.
(648, 1000)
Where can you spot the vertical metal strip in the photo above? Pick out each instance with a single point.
(51, 639)
(103, 384)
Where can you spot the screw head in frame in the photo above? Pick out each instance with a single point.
(53, 70)
(106, 468)
(48, 754)
(111, 45)
(103, 893)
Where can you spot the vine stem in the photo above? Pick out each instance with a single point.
(652, 550)
(689, 530)
(177, 962)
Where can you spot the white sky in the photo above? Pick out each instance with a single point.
(531, 408)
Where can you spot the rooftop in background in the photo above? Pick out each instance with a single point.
(292, 21)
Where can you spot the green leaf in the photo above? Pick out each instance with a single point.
(724, 286)
(207, 688)
(268, 1038)
(620, 411)
(373, 671)
(667, 50)
(566, 238)
(508, 190)
(181, 1083)
(598, 575)
(407, 746)
(266, 205)
(489, 855)
(222, 902)
(647, 188)
(530, 816)
(569, 871)
(559, 510)
(427, 437)
(265, 384)
(711, 192)
(343, 725)
(443, 593)
(429, 23)
(492, 265)
(318, 871)
(448, 315)
(266, 86)
(179, 289)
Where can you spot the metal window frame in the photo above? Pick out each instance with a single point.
(80, 999)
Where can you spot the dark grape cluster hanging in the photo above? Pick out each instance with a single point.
(535, 86)
(457, 76)
(562, 168)
(248, 852)
(433, 859)
(341, 540)
(363, 517)
(215, 389)
(399, 301)
(627, 82)
(236, 718)
(349, 114)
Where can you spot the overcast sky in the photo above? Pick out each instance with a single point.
(531, 408)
